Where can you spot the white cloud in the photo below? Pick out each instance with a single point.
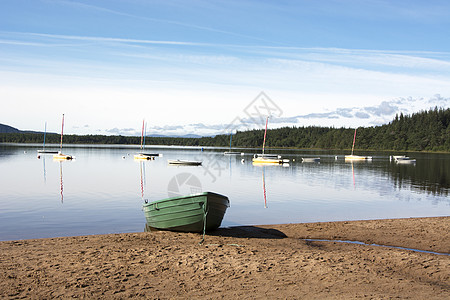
(183, 86)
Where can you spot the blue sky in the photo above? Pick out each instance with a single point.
(195, 66)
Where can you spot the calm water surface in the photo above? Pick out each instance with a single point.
(103, 189)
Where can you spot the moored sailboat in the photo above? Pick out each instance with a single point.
(353, 157)
(43, 150)
(270, 159)
(143, 155)
(60, 155)
(232, 152)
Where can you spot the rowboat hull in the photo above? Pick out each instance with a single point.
(184, 162)
(187, 213)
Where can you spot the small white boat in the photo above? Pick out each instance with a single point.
(184, 162)
(402, 159)
(233, 153)
(406, 161)
(311, 159)
(396, 157)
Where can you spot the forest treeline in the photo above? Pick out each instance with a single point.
(423, 131)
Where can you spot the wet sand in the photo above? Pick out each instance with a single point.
(252, 262)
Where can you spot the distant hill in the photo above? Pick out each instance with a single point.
(8, 129)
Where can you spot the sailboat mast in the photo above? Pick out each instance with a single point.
(145, 133)
(265, 133)
(142, 134)
(62, 130)
(354, 138)
(45, 131)
(231, 136)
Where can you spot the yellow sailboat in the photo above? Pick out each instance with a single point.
(353, 157)
(142, 155)
(265, 159)
(60, 155)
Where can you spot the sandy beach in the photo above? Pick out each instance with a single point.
(252, 262)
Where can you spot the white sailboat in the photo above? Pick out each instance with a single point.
(60, 155)
(353, 157)
(43, 150)
(232, 152)
(311, 159)
(142, 155)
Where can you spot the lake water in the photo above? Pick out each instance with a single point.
(103, 189)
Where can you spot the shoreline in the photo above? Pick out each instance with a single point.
(134, 146)
(269, 261)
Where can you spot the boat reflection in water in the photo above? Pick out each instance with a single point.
(60, 161)
(304, 192)
(61, 184)
(143, 182)
(263, 172)
(264, 186)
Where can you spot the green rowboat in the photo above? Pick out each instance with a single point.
(194, 213)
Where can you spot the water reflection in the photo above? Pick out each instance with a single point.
(61, 181)
(143, 180)
(105, 186)
(264, 185)
(43, 156)
(353, 175)
(45, 171)
(431, 176)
